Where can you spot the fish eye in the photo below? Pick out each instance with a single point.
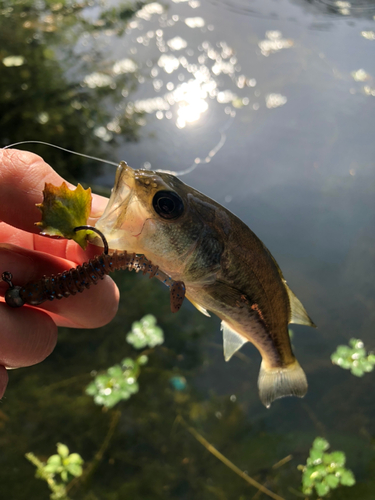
(168, 204)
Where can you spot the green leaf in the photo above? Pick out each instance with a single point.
(62, 450)
(74, 469)
(54, 460)
(338, 457)
(75, 458)
(356, 343)
(343, 351)
(327, 459)
(367, 366)
(357, 371)
(345, 363)
(307, 490)
(115, 371)
(347, 478)
(316, 455)
(332, 481)
(360, 353)
(320, 444)
(63, 210)
(52, 469)
(91, 389)
(307, 481)
(322, 488)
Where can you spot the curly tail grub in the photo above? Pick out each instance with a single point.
(83, 276)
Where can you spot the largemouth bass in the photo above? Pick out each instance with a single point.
(225, 267)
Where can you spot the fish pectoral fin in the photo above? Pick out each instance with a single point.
(275, 383)
(199, 307)
(298, 313)
(232, 340)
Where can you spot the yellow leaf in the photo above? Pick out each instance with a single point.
(63, 210)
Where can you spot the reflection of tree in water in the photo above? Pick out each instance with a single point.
(46, 49)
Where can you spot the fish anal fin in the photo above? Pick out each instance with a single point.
(199, 307)
(232, 341)
(298, 313)
(275, 383)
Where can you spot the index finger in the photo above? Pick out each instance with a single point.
(22, 178)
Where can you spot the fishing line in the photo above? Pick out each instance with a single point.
(197, 161)
(211, 154)
(63, 149)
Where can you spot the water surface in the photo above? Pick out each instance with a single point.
(269, 106)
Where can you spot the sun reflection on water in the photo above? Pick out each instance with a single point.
(182, 78)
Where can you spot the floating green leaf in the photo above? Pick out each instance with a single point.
(145, 333)
(118, 383)
(354, 358)
(63, 210)
(324, 471)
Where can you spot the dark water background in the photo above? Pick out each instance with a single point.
(284, 138)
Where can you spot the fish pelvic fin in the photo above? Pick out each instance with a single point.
(199, 307)
(232, 340)
(298, 313)
(275, 383)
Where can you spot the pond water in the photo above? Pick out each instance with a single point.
(268, 108)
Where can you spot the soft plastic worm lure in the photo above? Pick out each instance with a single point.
(83, 276)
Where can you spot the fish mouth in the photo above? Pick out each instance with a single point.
(115, 212)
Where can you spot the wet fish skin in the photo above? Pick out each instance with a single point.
(225, 267)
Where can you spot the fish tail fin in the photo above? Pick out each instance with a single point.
(275, 383)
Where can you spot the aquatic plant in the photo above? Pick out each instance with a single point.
(118, 383)
(58, 471)
(145, 333)
(324, 471)
(354, 358)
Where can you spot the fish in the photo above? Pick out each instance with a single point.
(226, 268)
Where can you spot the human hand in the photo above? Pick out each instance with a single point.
(28, 334)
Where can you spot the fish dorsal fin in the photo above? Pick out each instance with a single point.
(199, 307)
(232, 341)
(298, 313)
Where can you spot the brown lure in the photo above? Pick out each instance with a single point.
(83, 276)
